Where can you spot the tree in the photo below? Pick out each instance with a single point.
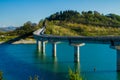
(28, 23)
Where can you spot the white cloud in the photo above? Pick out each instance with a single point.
(1, 25)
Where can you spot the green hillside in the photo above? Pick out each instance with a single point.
(90, 23)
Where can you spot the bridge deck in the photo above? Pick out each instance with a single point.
(113, 40)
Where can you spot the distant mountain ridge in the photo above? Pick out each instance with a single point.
(6, 29)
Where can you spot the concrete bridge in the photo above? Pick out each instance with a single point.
(77, 42)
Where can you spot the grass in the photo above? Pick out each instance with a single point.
(6, 38)
(74, 29)
(58, 30)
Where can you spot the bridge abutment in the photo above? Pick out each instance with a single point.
(77, 51)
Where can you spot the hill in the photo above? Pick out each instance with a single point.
(69, 23)
(89, 23)
(87, 18)
(7, 29)
(22, 32)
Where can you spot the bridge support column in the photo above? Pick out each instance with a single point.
(43, 47)
(39, 45)
(118, 60)
(117, 56)
(77, 52)
(54, 49)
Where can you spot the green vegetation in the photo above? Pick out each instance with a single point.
(75, 29)
(34, 78)
(25, 30)
(58, 30)
(74, 75)
(87, 18)
(90, 23)
(5, 38)
(70, 23)
(1, 75)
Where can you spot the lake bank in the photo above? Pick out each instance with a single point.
(22, 41)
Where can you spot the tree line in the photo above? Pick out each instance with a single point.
(87, 17)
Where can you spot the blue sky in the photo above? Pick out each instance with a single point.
(17, 12)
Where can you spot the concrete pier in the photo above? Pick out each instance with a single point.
(54, 49)
(77, 51)
(118, 60)
(117, 56)
(39, 45)
(43, 47)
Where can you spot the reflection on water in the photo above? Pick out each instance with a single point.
(40, 57)
(90, 67)
(46, 61)
(97, 62)
(77, 67)
(118, 76)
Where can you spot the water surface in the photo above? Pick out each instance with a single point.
(18, 62)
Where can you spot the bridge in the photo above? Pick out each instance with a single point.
(77, 42)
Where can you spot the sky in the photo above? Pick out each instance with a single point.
(17, 12)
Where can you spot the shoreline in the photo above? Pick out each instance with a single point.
(22, 41)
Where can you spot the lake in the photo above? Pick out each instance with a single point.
(20, 61)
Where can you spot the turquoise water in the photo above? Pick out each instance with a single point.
(18, 62)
